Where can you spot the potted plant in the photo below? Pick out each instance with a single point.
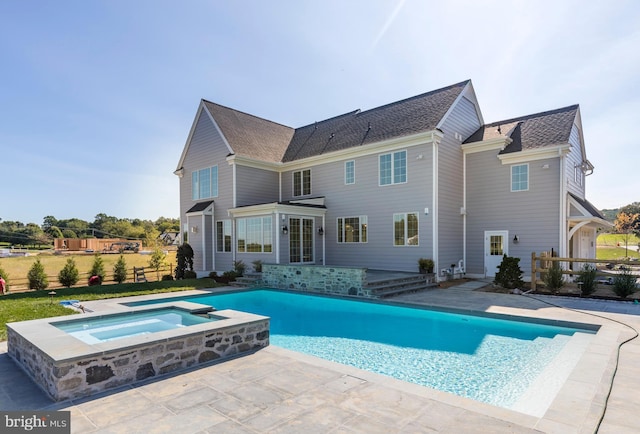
(425, 265)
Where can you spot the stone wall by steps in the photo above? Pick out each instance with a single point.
(314, 278)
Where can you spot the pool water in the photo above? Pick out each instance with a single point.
(118, 326)
(483, 358)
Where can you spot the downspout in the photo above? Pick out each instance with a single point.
(203, 241)
(434, 205)
(464, 208)
(277, 235)
(234, 185)
(279, 186)
(324, 244)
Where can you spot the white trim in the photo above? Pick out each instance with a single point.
(273, 208)
(535, 154)
(487, 246)
(234, 184)
(406, 159)
(464, 207)
(564, 210)
(293, 183)
(469, 93)
(354, 172)
(498, 143)
(406, 223)
(434, 205)
(360, 218)
(241, 160)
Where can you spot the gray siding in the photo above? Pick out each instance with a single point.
(378, 203)
(255, 186)
(462, 120)
(532, 215)
(572, 160)
(206, 149)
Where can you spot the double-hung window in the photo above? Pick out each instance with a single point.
(393, 168)
(254, 234)
(520, 177)
(350, 172)
(223, 234)
(352, 229)
(405, 229)
(204, 183)
(302, 182)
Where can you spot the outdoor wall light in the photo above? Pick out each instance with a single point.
(320, 231)
(285, 229)
(516, 239)
(194, 229)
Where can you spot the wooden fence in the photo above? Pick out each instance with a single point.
(133, 275)
(546, 259)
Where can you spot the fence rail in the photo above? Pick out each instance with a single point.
(546, 259)
(22, 284)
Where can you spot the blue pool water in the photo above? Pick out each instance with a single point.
(118, 326)
(483, 358)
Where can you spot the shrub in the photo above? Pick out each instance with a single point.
(190, 274)
(69, 274)
(230, 276)
(588, 280)
(97, 269)
(120, 270)
(239, 267)
(184, 257)
(167, 277)
(37, 277)
(157, 260)
(624, 283)
(509, 274)
(257, 265)
(213, 275)
(553, 279)
(426, 265)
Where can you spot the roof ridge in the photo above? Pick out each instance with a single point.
(329, 119)
(422, 95)
(534, 115)
(247, 114)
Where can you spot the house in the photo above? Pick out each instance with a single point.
(381, 188)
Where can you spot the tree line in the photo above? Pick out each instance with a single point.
(103, 226)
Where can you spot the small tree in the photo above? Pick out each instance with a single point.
(626, 224)
(97, 269)
(509, 274)
(239, 267)
(69, 274)
(624, 283)
(37, 277)
(553, 279)
(157, 260)
(184, 258)
(120, 270)
(588, 280)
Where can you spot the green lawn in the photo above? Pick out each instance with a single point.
(38, 304)
(612, 240)
(612, 246)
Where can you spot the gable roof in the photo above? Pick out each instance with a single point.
(249, 135)
(588, 206)
(533, 131)
(402, 118)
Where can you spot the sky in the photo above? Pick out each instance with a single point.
(97, 97)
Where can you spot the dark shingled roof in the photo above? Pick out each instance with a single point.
(533, 131)
(410, 116)
(588, 206)
(200, 206)
(250, 135)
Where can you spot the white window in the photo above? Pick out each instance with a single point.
(393, 168)
(223, 234)
(578, 174)
(204, 183)
(254, 235)
(405, 229)
(350, 172)
(352, 229)
(302, 182)
(520, 177)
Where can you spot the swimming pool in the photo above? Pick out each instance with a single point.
(487, 358)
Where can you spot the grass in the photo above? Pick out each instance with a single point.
(612, 246)
(612, 240)
(38, 304)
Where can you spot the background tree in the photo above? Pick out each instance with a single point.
(97, 269)
(157, 260)
(627, 224)
(69, 274)
(120, 270)
(37, 277)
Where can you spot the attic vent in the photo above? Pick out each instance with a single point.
(499, 130)
(332, 136)
(368, 126)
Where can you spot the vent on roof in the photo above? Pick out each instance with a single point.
(368, 126)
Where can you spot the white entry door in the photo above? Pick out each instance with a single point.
(496, 244)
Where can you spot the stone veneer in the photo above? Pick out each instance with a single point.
(66, 368)
(317, 278)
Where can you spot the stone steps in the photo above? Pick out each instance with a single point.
(395, 286)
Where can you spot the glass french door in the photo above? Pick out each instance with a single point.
(300, 240)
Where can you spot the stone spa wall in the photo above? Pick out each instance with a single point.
(82, 375)
(316, 278)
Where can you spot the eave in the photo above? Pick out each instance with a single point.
(535, 154)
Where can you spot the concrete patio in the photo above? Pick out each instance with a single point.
(276, 390)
